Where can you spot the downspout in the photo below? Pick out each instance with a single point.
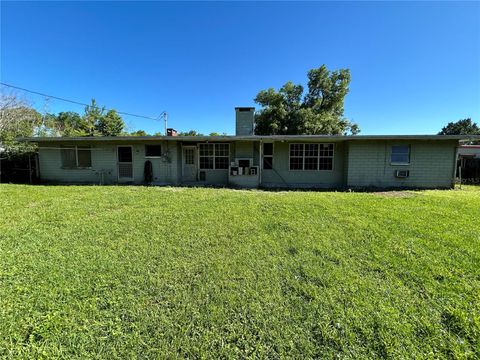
(260, 163)
(455, 162)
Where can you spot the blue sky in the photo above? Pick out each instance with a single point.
(415, 66)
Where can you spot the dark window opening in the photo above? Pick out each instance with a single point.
(84, 157)
(153, 150)
(125, 154)
(268, 156)
(267, 162)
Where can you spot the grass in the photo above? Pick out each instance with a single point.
(148, 272)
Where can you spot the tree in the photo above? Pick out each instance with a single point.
(217, 134)
(94, 122)
(91, 117)
(17, 119)
(189, 133)
(461, 127)
(139, 133)
(110, 124)
(65, 124)
(320, 111)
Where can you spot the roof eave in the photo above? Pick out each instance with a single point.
(250, 138)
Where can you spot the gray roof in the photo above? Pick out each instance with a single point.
(250, 138)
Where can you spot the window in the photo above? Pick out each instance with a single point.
(268, 156)
(153, 150)
(125, 154)
(311, 156)
(325, 157)
(296, 156)
(76, 157)
(189, 156)
(214, 156)
(84, 157)
(400, 154)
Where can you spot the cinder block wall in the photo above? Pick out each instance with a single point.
(104, 160)
(244, 121)
(282, 176)
(431, 164)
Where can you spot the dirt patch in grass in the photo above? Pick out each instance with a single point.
(395, 194)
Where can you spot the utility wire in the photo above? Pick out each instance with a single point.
(73, 101)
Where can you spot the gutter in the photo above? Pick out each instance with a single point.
(463, 138)
(455, 162)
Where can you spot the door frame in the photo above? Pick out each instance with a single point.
(195, 159)
(118, 167)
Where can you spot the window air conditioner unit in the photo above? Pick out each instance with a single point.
(402, 174)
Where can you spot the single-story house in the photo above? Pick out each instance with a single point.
(249, 160)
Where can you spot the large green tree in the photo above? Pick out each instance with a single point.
(461, 127)
(17, 119)
(110, 124)
(67, 123)
(94, 122)
(319, 110)
(91, 118)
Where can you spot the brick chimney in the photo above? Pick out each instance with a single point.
(171, 132)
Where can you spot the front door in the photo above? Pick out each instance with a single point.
(125, 163)
(189, 163)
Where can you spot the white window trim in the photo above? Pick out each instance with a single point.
(77, 167)
(318, 157)
(213, 156)
(401, 163)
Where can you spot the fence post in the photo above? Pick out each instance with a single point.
(30, 168)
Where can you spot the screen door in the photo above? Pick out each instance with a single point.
(125, 163)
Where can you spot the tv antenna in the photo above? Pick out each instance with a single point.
(164, 115)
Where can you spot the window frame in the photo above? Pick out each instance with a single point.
(186, 149)
(213, 156)
(401, 163)
(267, 156)
(153, 156)
(318, 157)
(75, 148)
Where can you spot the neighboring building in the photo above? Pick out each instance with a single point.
(469, 163)
(248, 160)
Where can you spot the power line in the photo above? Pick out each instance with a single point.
(73, 101)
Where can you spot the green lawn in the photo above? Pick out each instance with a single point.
(151, 272)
